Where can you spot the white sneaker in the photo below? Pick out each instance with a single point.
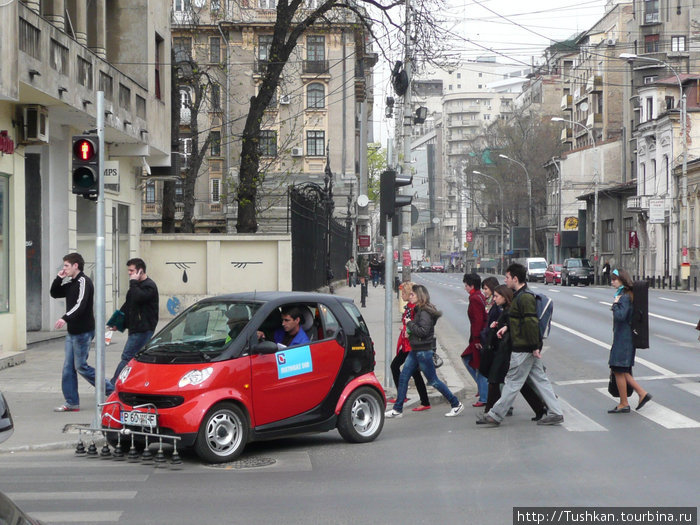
(455, 411)
(392, 414)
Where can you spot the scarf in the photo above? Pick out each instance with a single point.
(620, 289)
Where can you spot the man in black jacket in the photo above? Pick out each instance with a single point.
(77, 288)
(140, 312)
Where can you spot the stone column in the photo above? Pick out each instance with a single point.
(80, 22)
(100, 35)
(34, 5)
(55, 13)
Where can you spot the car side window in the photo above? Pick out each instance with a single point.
(329, 324)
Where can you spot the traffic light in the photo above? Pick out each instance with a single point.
(389, 200)
(85, 165)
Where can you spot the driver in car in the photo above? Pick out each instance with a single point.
(290, 333)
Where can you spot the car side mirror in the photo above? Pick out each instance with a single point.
(265, 347)
(7, 427)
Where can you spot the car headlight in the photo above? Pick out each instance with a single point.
(195, 377)
(124, 373)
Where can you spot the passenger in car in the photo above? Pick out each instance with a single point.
(290, 333)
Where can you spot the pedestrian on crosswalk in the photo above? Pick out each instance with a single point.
(622, 352)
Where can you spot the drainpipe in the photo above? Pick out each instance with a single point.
(226, 124)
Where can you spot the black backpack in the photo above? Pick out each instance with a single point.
(640, 314)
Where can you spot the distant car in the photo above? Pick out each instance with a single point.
(424, 266)
(575, 271)
(552, 274)
(216, 378)
(437, 267)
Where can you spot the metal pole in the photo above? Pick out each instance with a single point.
(100, 265)
(407, 128)
(500, 191)
(388, 301)
(684, 174)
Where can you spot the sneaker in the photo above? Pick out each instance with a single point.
(478, 404)
(420, 408)
(551, 419)
(487, 421)
(392, 414)
(67, 408)
(455, 411)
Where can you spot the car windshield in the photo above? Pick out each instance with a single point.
(538, 265)
(557, 267)
(205, 330)
(574, 263)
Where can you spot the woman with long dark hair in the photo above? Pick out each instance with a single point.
(623, 352)
(421, 335)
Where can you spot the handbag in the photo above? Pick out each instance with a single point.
(437, 360)
(612, 387)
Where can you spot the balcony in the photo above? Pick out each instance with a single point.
(261, 66)
(594, 84)
(314, 66)
(594, 120)
(638, 203)
(566, 135)
(566, 103)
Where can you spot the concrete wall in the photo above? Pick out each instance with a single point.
(187, 268)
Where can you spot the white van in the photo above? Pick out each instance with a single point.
(535, 267)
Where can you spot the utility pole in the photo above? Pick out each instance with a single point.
(407, 131)
(100, 265)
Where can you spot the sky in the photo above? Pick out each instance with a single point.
(514, 31)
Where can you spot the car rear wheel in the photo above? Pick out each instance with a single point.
(362, 416)
(223, 434)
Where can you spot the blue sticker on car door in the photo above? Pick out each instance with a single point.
(294, 362)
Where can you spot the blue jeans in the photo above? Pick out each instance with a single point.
(482, 382)
(75, 362)
(134, 343)
(424, 361)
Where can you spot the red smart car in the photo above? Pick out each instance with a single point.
(215, 378)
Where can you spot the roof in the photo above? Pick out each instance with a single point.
(625, 188)
(673, 80)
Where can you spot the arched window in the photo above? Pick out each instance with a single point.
(315, 96)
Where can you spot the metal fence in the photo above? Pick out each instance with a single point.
(312, 254)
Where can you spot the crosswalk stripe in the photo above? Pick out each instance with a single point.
(575, 421)
(84, 495)
(692, 388)
(93, 516)
(81, 478)
(657, 413)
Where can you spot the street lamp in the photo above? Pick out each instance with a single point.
(529, 200)
(630, 57)
(500, 189)
(595, 182)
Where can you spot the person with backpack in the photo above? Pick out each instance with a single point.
(525, 362)
(622, 352)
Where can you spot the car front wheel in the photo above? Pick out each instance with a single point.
(223, 434)
(362, 417)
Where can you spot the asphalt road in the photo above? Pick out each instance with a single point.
(425, 467)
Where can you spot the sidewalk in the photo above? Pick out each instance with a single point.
(32, 386)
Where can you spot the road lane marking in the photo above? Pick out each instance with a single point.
(555, 291)
(575, 421)
(672, 320)
(92, 516)
(696, 304)
(580, 296)
(657, 413)
(595, 341)
(666, 299)
(81, 478)
(84, 495)
(692, 388)
(606, 304)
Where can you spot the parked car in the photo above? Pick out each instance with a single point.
(575, 271)
(552, 274)
(437, 267)
(424, 266)
(208, 378)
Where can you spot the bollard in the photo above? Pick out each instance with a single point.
(688, 288)
(677, 281)
(658, 281)
(663, 282)
(695, 283)
(363, 291)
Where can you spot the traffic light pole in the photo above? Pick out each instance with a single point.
(388, 302)
(100, 265)
(407, 131)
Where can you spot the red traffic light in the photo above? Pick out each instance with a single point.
(84, 149)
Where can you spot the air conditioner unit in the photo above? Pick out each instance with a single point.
(35, 120)
(285, 100)
(297, 152)
(482, 224)
(611, 41)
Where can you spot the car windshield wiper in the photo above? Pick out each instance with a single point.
(203, 355)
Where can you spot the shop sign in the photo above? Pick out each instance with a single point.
(7, 145)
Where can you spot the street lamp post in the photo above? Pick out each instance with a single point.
(529, 200)
(631, 57)
(500, 190)
(595, 182)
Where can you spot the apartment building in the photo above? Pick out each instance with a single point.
(56, 56)
(324, 101)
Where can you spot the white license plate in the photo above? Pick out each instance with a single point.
(141, 419)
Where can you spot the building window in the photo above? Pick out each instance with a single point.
(667, 174)
(179, 193)
(459, 75)
(160, 46)
(268, 143)
(608, 238)
(315, 143)
(264, 43)
(627, 226)
(214, 49)
(649, 109)
(215, 96)
(677, 43)
(215, 144)
(124, 97)
(459, 86)
(140, 107)
(479, 86)
(315, 48)
(651, 11)
(182, 5)
(215, 194)
(150, 192)
(215, 6)
(267, 4)
(106, 85)
(651, 43)
(4, 243)
(315, 96)
(59, 57)
(182, 46)
(650, 79)
(29, 37)
(84, 73)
